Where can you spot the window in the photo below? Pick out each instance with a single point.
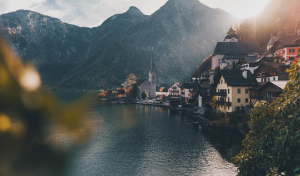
(246, 91)
(292, 58)
(239, 100)
(228, 91)
(283, 51)
(268, 79)
(299, 50)
(282, 59)
(239, 91)
(274, 78)
(221, 81)
(246, 100)
(291, 50)
(228, 99)
(228, 107)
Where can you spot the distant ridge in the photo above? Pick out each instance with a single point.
(182, 33)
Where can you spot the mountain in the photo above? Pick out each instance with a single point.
(41, 38)
(181, 33)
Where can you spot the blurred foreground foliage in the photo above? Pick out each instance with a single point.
(273, 145)
(25, 148)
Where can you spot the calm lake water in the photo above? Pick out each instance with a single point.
(148, 140)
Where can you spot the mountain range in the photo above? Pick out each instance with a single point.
(179, 35)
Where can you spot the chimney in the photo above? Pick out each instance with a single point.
(245, 73)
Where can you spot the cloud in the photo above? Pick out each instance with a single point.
(89, 13)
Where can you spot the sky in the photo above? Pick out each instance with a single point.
(91, 13)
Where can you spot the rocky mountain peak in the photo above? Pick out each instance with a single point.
(134, 11)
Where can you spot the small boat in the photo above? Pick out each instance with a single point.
(104, 99)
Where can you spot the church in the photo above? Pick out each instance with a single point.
(149, 85)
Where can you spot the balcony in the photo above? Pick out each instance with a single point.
(228, 103)
(220, 102)
(222, 94)
(260, 75)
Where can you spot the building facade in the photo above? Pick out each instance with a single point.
(232, 90)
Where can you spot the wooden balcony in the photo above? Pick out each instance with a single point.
(222, 94)
(223, 103)
(260, 75)
(220, 102)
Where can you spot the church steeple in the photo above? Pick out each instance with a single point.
(152, 68)
(152, 78)
(231, 36)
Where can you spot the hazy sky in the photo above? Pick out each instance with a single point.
(92, 13)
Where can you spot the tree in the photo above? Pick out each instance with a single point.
(134, 93)
(213, 102)
(144, 95)
(273, 145)
(131, 79)
(26, 146)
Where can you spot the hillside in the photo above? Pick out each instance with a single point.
(278, 17)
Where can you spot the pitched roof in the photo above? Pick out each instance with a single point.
(252, 59)
(189, 85)
(277, 67)
(201, 110)
(281, 84)
(237, 48)
(233, 57)
(273, 40)
(205, 86)
(235, 78)
(288, 39)
(140, 81)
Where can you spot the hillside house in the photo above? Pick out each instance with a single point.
(253, 62)
(271, 72)
(232, 89)
(268, 92)
(286, 48)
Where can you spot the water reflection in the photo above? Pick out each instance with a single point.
(147, 140)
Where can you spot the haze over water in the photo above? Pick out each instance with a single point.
(149, 140)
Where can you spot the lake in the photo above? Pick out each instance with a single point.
(148, 140)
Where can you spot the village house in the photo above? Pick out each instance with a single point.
(117, 92)
(253, 62)
(201, 93)
(162, 91)
(187, 89)
(232, 90)
(268, 92)
(271, 72)
(286, 48)
(175, 90)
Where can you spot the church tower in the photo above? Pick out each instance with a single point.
(231, 36)
(152, 78)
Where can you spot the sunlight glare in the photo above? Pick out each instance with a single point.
(250, 8)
